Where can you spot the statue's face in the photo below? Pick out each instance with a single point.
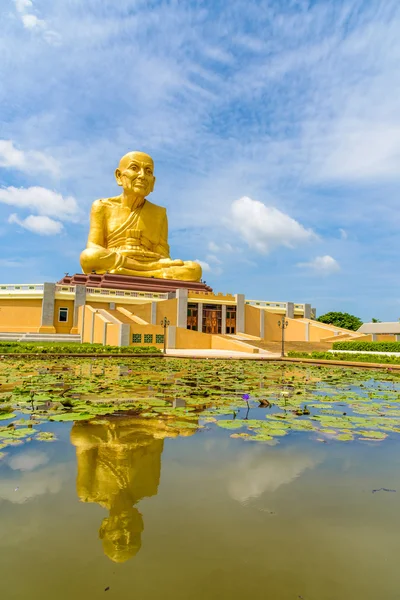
(135, 173)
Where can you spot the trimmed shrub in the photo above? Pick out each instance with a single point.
(72, 348)
(368, 346)
(367, 358)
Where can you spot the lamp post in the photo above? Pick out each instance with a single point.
(282, 325)
(164, 324)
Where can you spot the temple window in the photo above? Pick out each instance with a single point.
(63, 315)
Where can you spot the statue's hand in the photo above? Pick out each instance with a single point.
(168, 262)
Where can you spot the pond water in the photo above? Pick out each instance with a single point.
(213, 480)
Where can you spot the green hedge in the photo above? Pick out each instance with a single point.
(367, 358)
(368, 346)
(72, 348)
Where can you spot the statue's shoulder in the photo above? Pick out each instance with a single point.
(155, 209)
(102, 204)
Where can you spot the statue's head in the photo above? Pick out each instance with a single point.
(121, 534)
(135, 173)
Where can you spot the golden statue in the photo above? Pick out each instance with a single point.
(119, 463)
(128, 234)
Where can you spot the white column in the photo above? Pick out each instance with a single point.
(171, 337)
(153, 316)
(92, 329)
(240, 315)
(124, 334)
(49, 295)
(290, 310)
(79, 300)
(262, 323)
(200, 317)
(223, 320)
(182, 306)
(307, 325)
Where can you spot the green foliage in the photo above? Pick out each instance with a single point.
(325, 403)
(341, 319)
(367, 358)
(368, 346)
(72, 348)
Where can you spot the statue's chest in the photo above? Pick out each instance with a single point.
(120, 216)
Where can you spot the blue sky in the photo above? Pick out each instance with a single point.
(274, 125)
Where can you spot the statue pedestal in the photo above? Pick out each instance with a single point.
(125, 282)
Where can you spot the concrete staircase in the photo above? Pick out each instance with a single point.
(60, 338)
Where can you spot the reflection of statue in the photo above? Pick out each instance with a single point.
(119, 463)
(128, 234)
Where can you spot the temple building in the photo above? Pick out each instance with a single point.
(124, 310)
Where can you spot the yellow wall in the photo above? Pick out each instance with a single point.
(112, 334)
(167, 308)
(252, 320)
(272, 333)
(20, 315)
(318, 333)
(98, 329)
(385, 337)
(295, 331)
(147, 329)
(87, 311)
(63, 327)
(188, 339)
(143, 311)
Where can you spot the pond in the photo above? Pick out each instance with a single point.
(184, 479)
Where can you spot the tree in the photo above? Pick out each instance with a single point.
(373, 320)
(341, 319)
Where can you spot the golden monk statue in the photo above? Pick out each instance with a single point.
(119, 463)
(128, 234)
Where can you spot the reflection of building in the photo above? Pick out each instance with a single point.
(119, 463)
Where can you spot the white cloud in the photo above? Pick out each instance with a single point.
(343, 234)
(27, 461)
(258, 472)
(23, 5)
(12, 264)
(360, 151)
(41, 225)
(213, 247)
(31, 21)
(29, 485)
(27, 162)
(43, 201)
(265, 227)
(207, 268)
(204, 265)
(213, 259)
(324, 265)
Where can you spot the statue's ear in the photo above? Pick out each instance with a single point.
(118, 176)
(152, 186)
